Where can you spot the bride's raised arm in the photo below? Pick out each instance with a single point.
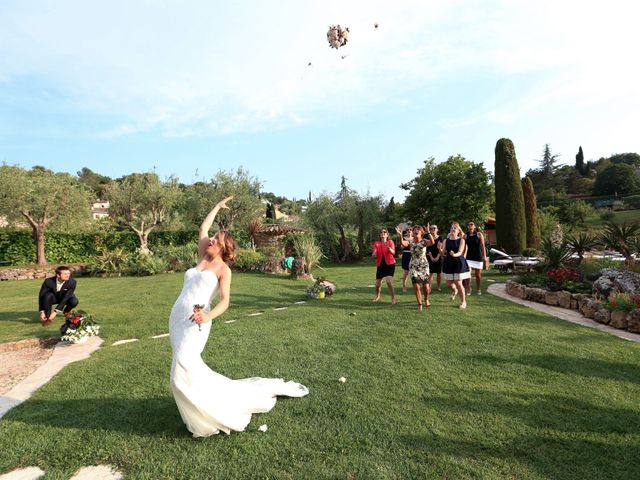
(203, 239)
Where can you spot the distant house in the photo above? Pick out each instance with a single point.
(490, 231)
(99, 209)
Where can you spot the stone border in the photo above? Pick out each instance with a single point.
(573, 316)
(585, 304)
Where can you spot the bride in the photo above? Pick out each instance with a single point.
(209, 402)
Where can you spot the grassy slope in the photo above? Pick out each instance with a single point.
(497, 391)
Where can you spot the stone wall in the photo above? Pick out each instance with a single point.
(30, 273)
(584, 303)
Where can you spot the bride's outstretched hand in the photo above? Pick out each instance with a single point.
(223, 203)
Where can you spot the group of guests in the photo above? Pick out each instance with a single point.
(425, 253)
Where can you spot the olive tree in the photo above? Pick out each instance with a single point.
(42, 198)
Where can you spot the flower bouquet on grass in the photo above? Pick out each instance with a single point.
(321, 288)
(78, 327)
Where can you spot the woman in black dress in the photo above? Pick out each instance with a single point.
(434, 256)
(406, 257)
(476, 253)
(455, 266)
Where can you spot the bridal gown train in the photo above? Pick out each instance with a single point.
(209, 402)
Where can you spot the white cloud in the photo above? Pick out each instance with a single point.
(203, 68)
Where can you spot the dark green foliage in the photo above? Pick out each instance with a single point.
(270, 212)
(249, 260)
(580, 167)
(581, 243)
(632, 201)
(17, 246)
(531, 213)
(617, 179)
(555, 255)
(622, 238)
(511, 227)
(628, 158)
(455, 190)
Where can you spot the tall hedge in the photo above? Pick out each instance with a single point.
(511, 227)
(17, 246)
(531, 214)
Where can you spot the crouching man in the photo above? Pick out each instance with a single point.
(59, 291)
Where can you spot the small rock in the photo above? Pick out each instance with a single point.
(263, 428)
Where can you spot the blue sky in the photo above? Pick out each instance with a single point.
(192, 87)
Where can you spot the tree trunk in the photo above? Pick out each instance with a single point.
(38, 233)
(144, 243)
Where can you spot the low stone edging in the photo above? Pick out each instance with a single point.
(30, 273)
(584, 303)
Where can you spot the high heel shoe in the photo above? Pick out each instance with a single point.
(452, 297)
(419, 307)
(463, 305)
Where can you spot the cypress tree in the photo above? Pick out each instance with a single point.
(511, 227)
(531, 214)
(580, 162)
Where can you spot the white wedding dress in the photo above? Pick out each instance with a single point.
(209, 402)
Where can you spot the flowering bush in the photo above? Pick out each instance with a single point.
(623, 302)
(78, 326)
(561, 275)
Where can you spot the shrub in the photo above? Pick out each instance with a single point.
(247, 259)
(307, 247)
(561, 275)
(531, 278)
(617, 206)
(530, 252)
(607, 215)
(622, 302)
(147, 265)
(632, 201)
(110, 262)
(590, 268)
(179, 257)
(555, 255)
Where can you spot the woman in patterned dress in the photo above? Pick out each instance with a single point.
(418, 265)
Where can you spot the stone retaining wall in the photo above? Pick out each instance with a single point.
(585, 303)
(30, 273)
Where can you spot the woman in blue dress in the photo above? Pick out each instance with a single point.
(455, 266)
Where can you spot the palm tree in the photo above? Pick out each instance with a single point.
(581, 243)
(254, 227)
(555, 254)
(621, 238)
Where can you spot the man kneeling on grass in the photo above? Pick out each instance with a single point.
(59, 291)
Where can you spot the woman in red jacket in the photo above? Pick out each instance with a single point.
(384, 251)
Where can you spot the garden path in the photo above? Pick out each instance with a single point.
(63, 354)
(573, 316)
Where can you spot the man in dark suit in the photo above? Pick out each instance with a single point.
(59, 291)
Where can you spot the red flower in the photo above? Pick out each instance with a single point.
(76, 320)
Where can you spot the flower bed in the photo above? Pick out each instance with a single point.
(620, 311)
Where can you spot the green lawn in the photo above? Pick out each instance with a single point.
(496, 391)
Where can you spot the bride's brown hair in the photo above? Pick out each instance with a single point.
(228, 246)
